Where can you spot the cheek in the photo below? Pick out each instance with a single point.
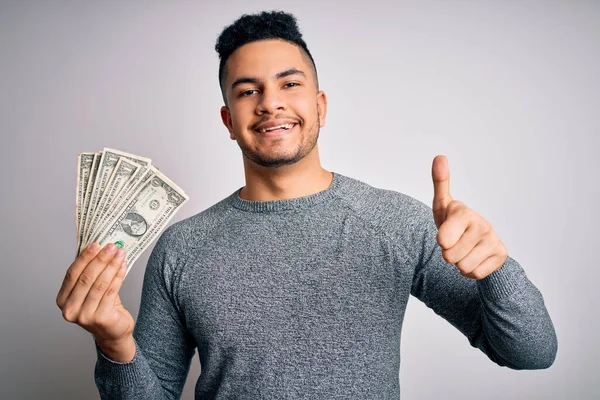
(239, 120)
(305, 108)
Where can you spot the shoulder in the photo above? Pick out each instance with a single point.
(179, 239)
(191, 231)
(405, 221)
(384, 207)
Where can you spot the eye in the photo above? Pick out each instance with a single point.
(291, 84)
(248, 92)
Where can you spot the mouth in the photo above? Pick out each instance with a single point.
(278, 130)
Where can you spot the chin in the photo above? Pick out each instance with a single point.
(276, 161)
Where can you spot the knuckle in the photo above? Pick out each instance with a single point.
(469, 213)
(83, 320)
(70, 276)
(111, 291)
(69, 315)
(441, 239)
(447, 256)
(100, 285)
(85, 279)
(465, 268)
(105, 256)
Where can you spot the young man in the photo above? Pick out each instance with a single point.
(295, 286)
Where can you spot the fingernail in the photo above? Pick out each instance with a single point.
(93, 247)
(110, 248)
(120, 253)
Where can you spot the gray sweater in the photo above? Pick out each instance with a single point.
(305, 298)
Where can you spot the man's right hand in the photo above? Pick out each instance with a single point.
(89, 297)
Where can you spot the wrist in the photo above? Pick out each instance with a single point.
(122, 350)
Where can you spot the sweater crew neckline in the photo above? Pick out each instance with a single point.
(297, 203)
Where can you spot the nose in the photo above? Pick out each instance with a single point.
(270, 101)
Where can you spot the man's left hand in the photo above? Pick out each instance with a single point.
(466, 238)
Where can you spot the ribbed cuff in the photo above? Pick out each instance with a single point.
(121, 373)
(502, 282)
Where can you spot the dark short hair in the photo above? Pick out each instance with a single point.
(253, 27)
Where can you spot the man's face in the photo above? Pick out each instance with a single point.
(274, 109)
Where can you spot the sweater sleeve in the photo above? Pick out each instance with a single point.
(503, 315)
(164, 347)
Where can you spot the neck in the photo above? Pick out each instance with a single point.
(303, 178)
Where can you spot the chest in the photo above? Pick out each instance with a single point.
(290, 283)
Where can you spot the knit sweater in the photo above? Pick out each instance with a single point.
(304, 299)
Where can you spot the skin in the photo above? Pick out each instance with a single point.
(283, 167)
(89, 297)
(282, 84)
(466, 238)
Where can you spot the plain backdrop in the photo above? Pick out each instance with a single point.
(508, 90)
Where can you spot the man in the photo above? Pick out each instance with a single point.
(295, 286)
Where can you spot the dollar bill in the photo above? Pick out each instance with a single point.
(108, 162)
(84, 166)
(123, 198)
(86, 199)
(123, 171)
(141, 220)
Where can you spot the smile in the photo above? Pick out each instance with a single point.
(276, 130)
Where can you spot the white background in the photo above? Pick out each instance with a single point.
(507, 90)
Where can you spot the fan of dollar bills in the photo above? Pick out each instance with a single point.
(122, 199)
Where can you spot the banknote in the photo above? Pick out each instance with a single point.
(120, 202)
(141, 220)
(122, 198)
(84, 167)
(108, 162)
(123, 171)
(86, 199)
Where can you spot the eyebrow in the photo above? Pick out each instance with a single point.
(249, 79)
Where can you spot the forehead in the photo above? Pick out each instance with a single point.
(264, 59)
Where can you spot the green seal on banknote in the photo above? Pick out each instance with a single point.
(119, 244)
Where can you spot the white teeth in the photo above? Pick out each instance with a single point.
(286, 126)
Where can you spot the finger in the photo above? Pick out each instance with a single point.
(99, 287)
(489, 265)
(475, 233)
(485, 248)
(73, 272)
(87, 277)
(106, 307)
(440, 175)
(458, 221)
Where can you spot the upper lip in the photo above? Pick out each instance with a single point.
(272, 124)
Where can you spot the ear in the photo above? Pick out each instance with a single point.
(322, 107)
(226, 118)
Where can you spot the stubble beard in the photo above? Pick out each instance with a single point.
(307, 144)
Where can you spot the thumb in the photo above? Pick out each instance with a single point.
(440, 174)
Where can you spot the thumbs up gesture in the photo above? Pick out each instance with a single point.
(466, 238)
